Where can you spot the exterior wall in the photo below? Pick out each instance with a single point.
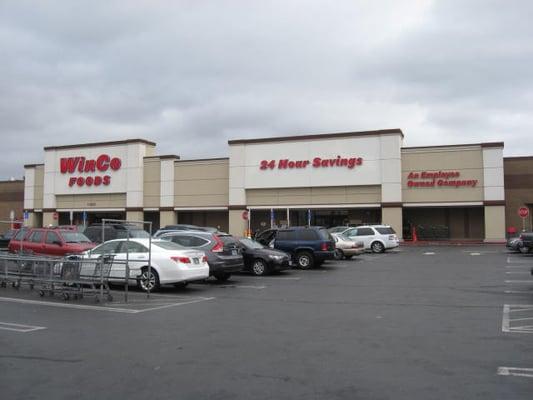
(152, 182)
(314, 195)
(167, 218)
(91, 201)
(135, 216)
(393, 216)
(237, 225)
(468, 161)
(11, 199)
(518, 190)
(495, 223)
(379, 154)
(201, 183)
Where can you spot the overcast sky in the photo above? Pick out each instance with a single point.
(190, 75)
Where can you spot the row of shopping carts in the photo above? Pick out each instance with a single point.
(71, 277)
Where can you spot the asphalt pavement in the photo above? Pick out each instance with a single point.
(419, 323)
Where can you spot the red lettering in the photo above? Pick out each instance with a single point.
(90, 166)
(282, 164)
(71, 182)
(102, 163)
(316, 162)
(89, 181)
(359, 161)
(106, 180)
(115, 163)
(68, 164)
(81, 164)
(97, 180)
(80, 181)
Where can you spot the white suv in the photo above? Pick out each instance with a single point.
(377, 238)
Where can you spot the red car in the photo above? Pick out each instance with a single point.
(50, 241)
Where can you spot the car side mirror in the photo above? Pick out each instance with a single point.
(271, 244)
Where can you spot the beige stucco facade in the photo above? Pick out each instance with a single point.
(357, 177)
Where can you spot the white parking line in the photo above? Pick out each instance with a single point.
(518, 292)
(429, 253)
(518, 266)
(102, 307)
(520, 281)
(509, 324)
(517, 260)
(518, 272)
(511, 371)
(475, 254)
(8, 326)
(241, 286)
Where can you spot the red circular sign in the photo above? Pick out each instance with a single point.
(523, 212)
(245, 215)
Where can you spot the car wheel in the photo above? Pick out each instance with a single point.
(149, 282)
(524, 250)
(305, 260)
(259, 267)
(377, 247)
(222, 276)
(339, 254)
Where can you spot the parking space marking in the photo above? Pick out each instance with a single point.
(280, 278)
(518, 292)
(518, 266)
(515, 323)
(475, 254)
(518, 260)
(519, 281)
(429, 253)
(512, 371)
(8, 326)
(241, 286)
(103, 307)
(518, 272)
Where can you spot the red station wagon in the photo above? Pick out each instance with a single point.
(50, 241)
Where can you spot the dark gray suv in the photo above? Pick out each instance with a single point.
(223, 252)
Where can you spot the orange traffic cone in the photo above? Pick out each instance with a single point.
(415, 237)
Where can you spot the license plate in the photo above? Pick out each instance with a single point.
(195, 261)
(234, 252)
(291, 263)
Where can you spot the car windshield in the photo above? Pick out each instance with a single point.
(166, 245)
(345, 238)
(385, 230)
(74, 237)
(338, 229)
(252, 244)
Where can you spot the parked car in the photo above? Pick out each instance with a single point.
(113, 231)
(6, 237)
(308, 246)
(526, 242)
(50, 241)
(514, 243)
(346, 247)
(170, 263)
(222, 250)
(377, 238)
(261, 260)
(183, 227)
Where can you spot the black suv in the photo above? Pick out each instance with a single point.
(114, 231)
(308, 246)
(223, 251)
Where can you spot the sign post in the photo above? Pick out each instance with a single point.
(523, 212)
(308, 217)
(272, 217)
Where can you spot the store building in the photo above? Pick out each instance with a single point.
(443, 192)
(11, 199)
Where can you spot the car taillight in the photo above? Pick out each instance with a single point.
(204, 259)
(184, 260)
(521, 237)
(324, 247)
(219, 245)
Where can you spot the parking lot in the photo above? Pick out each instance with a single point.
(418, 323)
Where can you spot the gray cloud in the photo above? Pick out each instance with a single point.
(190, 75)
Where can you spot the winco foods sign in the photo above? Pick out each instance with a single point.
(95, 171)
